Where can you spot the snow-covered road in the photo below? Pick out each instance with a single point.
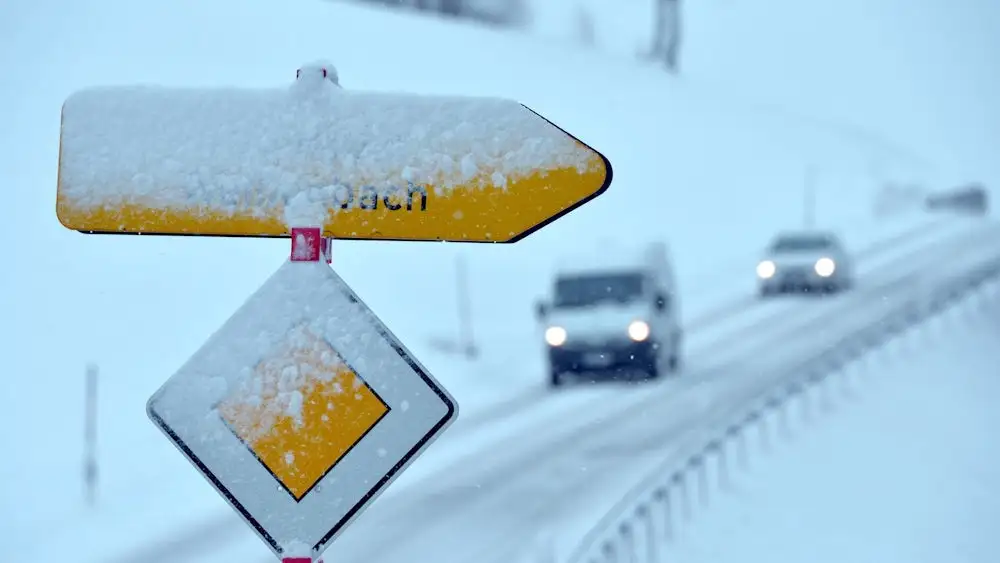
(553, 474)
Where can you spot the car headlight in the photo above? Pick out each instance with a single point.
(766, 269)
(555, 335)
(825, 267)
(638, 330)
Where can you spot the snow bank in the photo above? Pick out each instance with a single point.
(901, 469)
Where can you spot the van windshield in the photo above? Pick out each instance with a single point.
(584, 291)
(804, 243)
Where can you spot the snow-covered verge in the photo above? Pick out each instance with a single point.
(936, 360)
(904, 466)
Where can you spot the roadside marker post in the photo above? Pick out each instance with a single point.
(303, 407)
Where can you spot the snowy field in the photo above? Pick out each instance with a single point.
(906, 78)
(903, 467)
(710, 173)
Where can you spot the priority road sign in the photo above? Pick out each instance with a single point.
(382, 166)
(302, 408)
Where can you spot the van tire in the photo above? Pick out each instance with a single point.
(555, 379)
(674, 362)
(652, 372)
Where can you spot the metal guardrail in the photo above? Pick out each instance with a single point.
(970, 199)
(639, 526)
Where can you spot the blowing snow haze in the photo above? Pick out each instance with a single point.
(782, 117)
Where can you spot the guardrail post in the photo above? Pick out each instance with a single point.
(763, 429)
(738, 432)
(826, 404)
(982, 309)
(680, 480)
(644, 513)
(718, 447)
(610, 552)
(781, 408)
(627, 536)
(807, 417)
(662, 495)
(735, 434)
(90, 472)
(697, 462)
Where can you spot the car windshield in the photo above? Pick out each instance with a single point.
(802, 243)
(582, 291)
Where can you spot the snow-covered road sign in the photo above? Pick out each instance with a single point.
(372, 165)
(301, 409)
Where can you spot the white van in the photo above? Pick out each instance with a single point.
(614, 318)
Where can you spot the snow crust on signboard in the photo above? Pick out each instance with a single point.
(298, 146)
(278, 392)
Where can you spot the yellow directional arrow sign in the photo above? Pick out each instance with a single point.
(361, 165)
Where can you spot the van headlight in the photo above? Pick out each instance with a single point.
(555, 335)
(638, 330)
(766, 269)
(825, 267)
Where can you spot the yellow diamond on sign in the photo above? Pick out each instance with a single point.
(301, 410)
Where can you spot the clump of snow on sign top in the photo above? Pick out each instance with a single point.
(229, 149)
(308, 207)
(309, 75)
(275, 388)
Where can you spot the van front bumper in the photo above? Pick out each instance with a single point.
(799, 280)
(604, 357)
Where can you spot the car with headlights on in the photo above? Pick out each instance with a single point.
(805, 262)
(614, 319)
